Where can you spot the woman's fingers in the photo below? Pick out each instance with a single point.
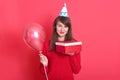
(71, 53)
(43, 59)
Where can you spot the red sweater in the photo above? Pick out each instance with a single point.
(61, 66)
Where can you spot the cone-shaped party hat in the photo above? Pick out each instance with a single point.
(64, 11)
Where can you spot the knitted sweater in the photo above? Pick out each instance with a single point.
(61, 66)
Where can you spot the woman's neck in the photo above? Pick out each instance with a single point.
(61, 38)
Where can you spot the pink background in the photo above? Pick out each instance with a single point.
(95, 22)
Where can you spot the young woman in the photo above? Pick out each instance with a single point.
(60, 66)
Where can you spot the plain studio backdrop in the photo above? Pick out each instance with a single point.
(95, 22)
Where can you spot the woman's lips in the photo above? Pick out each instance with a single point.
(61, 32)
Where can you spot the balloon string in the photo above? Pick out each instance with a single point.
(45, 73)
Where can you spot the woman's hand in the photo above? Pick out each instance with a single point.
(43, 59)
(70, 53)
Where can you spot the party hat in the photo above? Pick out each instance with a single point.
(64, 11)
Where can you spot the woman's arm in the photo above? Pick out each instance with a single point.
(43, 58)
(75, 62)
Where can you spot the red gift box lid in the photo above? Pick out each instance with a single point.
(69, 43)
(65, 47)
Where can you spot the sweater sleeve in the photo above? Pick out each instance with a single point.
(75, 62)
(45, 48)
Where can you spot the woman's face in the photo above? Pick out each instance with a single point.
(61, 29)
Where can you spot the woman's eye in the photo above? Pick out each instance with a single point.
(59, 25)
(66, 26)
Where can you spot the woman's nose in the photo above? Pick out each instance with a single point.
(62, 28)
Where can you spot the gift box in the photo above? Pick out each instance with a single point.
(66, 47)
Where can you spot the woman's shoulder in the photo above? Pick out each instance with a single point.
(74, 39)
(47, 42)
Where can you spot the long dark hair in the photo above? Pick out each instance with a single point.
(67, 22)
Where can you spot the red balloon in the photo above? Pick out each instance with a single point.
(34, 36)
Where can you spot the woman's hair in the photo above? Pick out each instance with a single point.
(66, 21)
